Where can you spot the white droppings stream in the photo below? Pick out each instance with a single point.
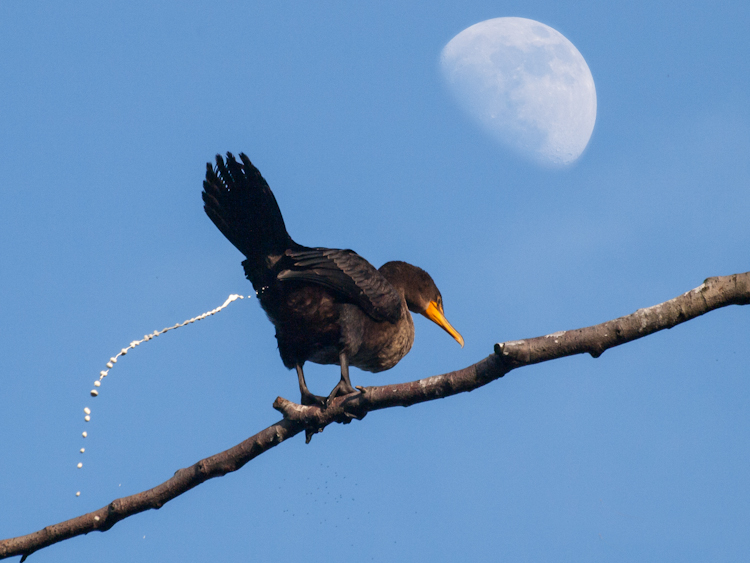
(113, 360)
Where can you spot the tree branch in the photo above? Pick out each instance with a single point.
(711, 294)
(714, 293)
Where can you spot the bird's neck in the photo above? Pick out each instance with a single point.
(403, 277)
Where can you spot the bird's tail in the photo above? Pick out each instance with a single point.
(240, 203)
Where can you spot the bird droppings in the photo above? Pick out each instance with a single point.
(113, 360)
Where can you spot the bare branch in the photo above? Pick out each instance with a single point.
(712, 294)
(182, 481)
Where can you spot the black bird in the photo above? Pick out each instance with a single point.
(329, 306)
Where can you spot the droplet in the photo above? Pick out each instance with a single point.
(87, 410)
(84, 434)
(87, 418)
(97, 383)
(80, 465)
(78, 494)
(83, 450)
(109, 365)
(96, 518)
(94, 392)
(113, 360)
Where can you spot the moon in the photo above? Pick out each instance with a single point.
(526, 85)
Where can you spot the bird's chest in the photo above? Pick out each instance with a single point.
(379, 346)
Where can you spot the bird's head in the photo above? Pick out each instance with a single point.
(421, 294)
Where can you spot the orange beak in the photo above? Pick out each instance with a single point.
(434, 312)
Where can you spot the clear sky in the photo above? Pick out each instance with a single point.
(108, 114)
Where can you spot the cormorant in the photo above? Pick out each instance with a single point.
(329, 306)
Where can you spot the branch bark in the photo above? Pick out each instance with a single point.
(714, 293)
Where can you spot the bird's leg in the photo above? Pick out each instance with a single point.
(307, 397)
(344, 386)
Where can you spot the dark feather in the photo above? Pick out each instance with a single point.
(240, 203)
(349, 275)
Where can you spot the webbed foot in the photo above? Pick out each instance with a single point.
(310, 400)
(342, 388)
(307, 398)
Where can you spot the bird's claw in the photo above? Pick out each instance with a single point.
(342, 389)
(310, 400)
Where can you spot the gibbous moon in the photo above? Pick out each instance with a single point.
(526, 84)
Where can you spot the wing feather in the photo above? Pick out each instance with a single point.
(350, 275)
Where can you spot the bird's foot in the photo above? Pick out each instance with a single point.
(310, 400)
(342, 389)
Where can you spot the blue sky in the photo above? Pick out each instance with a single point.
(109, 113)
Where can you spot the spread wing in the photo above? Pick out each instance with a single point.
(350, 275)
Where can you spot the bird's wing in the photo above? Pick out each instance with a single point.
(348, 274)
